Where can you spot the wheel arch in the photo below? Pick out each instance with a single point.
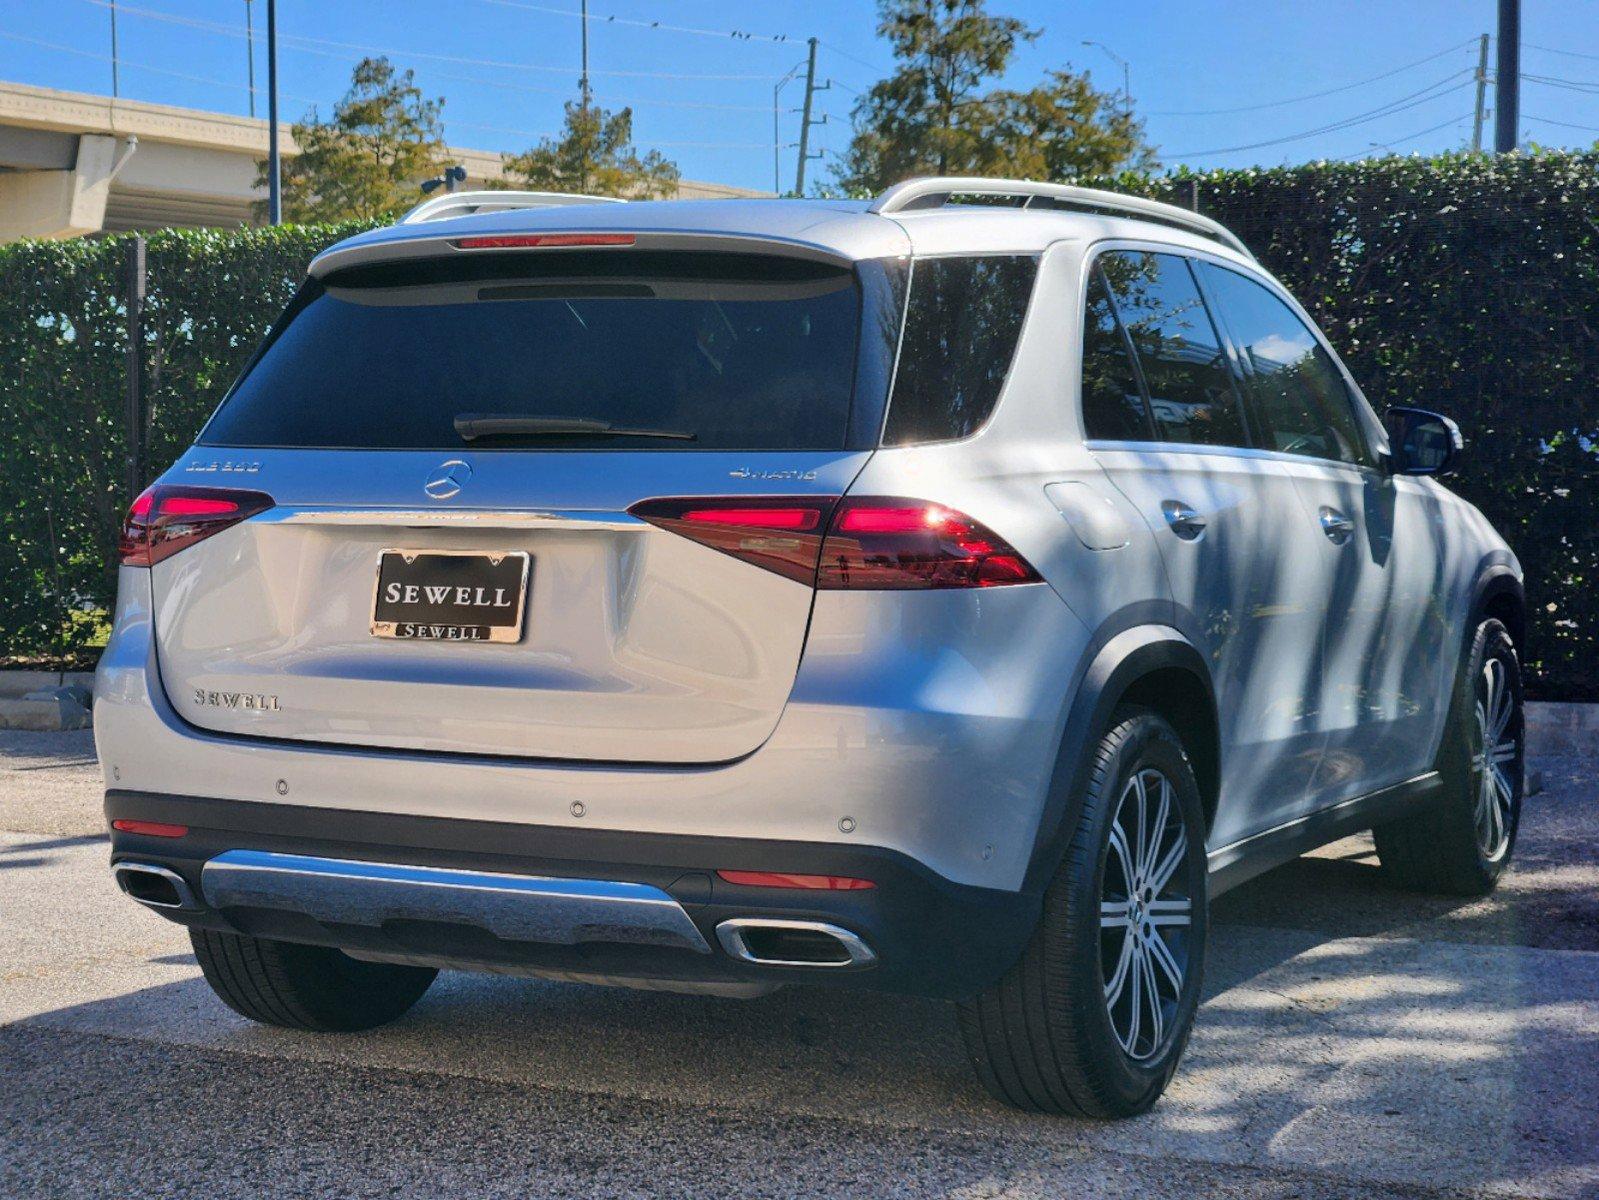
(1152, 665)
(1499, 594)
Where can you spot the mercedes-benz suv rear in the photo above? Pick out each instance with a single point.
(714, 596)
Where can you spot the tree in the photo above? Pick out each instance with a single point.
(932, 116)
(384, 139)
(595, 154)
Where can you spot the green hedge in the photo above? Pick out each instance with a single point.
(1464, 283)
(63, 440)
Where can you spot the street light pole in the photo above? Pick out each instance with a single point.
(274, 162)
(777, 129)
(113, 49)
(1127, 76)
(249, 49)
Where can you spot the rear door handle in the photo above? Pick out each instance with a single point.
(1185, 522)
(1336, 526)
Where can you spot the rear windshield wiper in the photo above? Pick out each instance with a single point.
(476, 426)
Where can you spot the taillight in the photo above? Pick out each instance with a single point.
(165, 519)
(878, 542)
(870, 543)
(780, 533)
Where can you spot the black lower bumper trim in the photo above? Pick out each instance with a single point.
(930, 936)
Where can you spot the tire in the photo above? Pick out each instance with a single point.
(313, 988)
(1047, 1037)
(1460, 843)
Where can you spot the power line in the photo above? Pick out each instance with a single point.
(234, 86)
(1348, 87)
(1588, 86)
(738, 35)
(304, 44)
(1409, 137)
(854, 58)
(139, 66)
(1404, 103)
(1567, 124)
(1566, 53)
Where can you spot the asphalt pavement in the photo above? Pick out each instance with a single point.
(1355, 1041)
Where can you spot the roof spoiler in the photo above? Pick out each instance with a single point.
(938, 190)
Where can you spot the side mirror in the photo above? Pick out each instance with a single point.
(1422, 442)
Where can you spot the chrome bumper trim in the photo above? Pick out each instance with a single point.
(518, 908)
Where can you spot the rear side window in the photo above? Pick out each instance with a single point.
(1185, 369)
(737, 352)
(1299, 403)
(1113, 400)
(961, 328)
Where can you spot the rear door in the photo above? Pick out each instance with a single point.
(451, 563)
(1226, 520)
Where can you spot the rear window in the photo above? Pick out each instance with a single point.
(740, 352)
(961, 327)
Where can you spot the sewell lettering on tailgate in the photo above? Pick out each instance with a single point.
(257, 701)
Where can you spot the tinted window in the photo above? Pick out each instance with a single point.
(1299, 402)
(960, 335)
(1190, 384)
(1113, 401)
(756, 354)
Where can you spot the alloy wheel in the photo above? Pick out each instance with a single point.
(1146, 910)
(1495, 759)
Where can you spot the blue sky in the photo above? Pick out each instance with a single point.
(705, 98)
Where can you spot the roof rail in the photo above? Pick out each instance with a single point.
(465, 204)
(935, 191)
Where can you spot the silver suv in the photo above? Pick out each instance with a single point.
(948, 594)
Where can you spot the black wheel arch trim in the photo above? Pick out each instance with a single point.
(1130, 647)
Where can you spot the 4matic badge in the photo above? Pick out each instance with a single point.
(753, 473)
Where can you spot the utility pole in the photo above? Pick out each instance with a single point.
(249, 49)
(1507, 78)
(274, 162)
(583, 81)
(1482, 95)
(113, 49)
(811, 88)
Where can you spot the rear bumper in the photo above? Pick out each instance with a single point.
(557, 893)
(927, 723)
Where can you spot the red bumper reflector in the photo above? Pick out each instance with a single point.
(526, 241)
(150, 828)
(781, 879)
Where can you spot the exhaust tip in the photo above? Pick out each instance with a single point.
(156, 887)
(778, 943)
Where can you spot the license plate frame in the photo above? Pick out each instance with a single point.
(495, 578)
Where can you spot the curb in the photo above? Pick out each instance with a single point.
(50, 711)
(1566, 729)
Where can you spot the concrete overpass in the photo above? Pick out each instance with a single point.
(72, 163)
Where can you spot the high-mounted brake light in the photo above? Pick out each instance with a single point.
(166, 519)
(783, 879)
(528, 241)
(871, 542)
